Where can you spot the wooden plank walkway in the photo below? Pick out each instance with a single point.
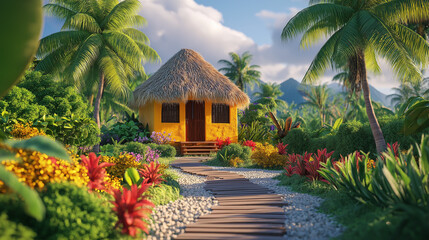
(245, 211)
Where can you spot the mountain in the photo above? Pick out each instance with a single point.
(292, 90)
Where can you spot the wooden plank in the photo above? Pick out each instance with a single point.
(272, 232)
(254, 204)
(246, 207)
(213, 236)
(260, 196)
(237, 225)
(250, 211)
(244, 215)
(241, 220)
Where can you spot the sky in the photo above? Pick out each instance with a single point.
(215, 28)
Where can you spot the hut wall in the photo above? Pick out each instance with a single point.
(146, 115)
(177, 130)
(221, 130)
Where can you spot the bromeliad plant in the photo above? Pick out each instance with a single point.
(132, 208)
(150, 174)
(96, 171)
(283, 131)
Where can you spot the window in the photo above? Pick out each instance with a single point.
(170, 113)
(220, 113)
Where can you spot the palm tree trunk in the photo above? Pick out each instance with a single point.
(97, 104)
(91, 99)
(380, 143)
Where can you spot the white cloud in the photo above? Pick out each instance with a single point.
(178, 24)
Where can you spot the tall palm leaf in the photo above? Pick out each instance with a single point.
(358, 30)
(240, 71)
(97, 38)
(271, 90)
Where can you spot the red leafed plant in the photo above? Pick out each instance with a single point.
(222, 143)
(282, 148)
(96, 172)
(150, 173)
(359, 157)
(395, 149)
(131, 208)
(296, 164)
(312, 165)
(250, 143)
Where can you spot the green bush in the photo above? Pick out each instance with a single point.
(232, 151)
(112, 150)
(73, 130)
(12, 230)
(71, 213)
(255, 132)
(165, 150)
(298, 141)
(135, 147)
(39, 94)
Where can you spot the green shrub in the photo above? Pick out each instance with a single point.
(165, 150)
(232, 151)
(73, 130)
(352, 136)
(255, 132)
(135, 147)
(112, 150)
(12, 230)
(71, 213)
(298, 141)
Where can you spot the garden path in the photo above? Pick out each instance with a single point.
(245, 211)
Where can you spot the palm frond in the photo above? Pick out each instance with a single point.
(416, 45)
(56, 40)
(82, 22)
(58, 11)
(112, 67)
(121, 14)
(405, 11)
(309, 16)
(136, 35)
(371, 60)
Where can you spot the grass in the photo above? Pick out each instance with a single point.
(362, 221)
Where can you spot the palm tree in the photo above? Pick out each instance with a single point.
(239, 71)
(358, 31)
(98, 38)
(409, 89)
(270, 90)
(317, 97)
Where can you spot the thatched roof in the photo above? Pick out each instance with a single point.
(188, 76)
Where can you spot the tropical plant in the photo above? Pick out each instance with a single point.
(358, 30)
(98, 39)
(270, 91)
(267, 156)
(283, 131)
(416, 111)
(96, 171)
(317, 97)
(132, 208)
(254, 132)
(232, 151)
(409, 89)
(150, 173)
(132, 177)
(239, 70)
(221, 143)
(249, 143)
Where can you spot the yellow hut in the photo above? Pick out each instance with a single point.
(189, 98)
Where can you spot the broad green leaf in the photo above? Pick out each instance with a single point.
(42, 144)
(33, 204)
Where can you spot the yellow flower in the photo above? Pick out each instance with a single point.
(236, 162)
(370, 164)
(267, 156)
(25, 131)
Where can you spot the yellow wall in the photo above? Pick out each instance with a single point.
(221, 130)
(151, 114)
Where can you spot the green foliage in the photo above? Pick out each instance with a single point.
(165, 150)
(232, 151)
(163, 194)
(135, 147)
(112, 150)
(132, 177)
(124, 131)
(255, 113)
(416, 111)
(352, 136)
(396, 180)
(255, 132)
(39, 95)
(73, 130)
(12, 230)
(298, 141)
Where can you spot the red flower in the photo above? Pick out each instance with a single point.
(222, 143)
(96, 172)
(282, 148)
(250, 143)
(132, 207)
(151, 174)
(313, 166)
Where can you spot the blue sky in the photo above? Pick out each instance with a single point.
(215, 28)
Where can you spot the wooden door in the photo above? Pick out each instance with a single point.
(195, 121)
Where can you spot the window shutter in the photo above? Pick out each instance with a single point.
(170, 113)
(220, 113)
